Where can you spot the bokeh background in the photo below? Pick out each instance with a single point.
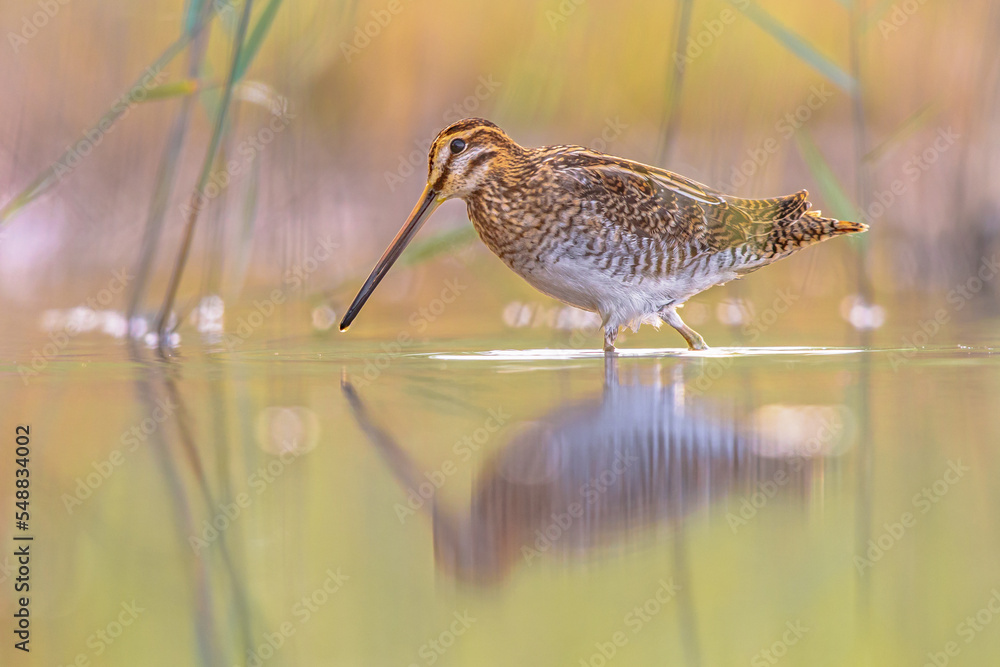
(884, 111)
(307, 144)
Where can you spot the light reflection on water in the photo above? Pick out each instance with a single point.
(553, 354)
(291, 506)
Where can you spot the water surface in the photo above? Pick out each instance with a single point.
(296, 503)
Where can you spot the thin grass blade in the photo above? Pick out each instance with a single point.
(54, 173)
(167, 171)
(197, 198)
(833, 192)
(256, 38)
(192, 14)
(800, 47)
(181, 88)
(909, 127)
(439, 244)
(671, 116)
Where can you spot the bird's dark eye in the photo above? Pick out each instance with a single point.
(457, 145)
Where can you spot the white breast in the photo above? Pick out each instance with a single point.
(622, 300)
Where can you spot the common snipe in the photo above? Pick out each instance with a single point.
(625, 240)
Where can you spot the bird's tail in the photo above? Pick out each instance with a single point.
(810, 228)
(782, 225)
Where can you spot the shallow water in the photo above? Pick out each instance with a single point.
(467, 503)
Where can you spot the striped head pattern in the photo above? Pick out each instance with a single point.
(464, 154)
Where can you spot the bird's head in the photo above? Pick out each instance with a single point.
(462, 159)
(464, 155)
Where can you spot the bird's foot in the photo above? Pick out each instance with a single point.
(696, 343)
(694, 340)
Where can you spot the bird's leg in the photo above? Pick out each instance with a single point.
(693, 338)
(610, 335)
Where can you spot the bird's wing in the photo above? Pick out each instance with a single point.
(654, 203)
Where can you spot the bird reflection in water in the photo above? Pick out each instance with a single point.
(605, 473)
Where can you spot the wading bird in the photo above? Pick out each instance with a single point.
(626, 240)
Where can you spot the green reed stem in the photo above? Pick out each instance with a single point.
(197, 198)
(167, 171)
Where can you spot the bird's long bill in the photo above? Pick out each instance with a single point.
(425, 206)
